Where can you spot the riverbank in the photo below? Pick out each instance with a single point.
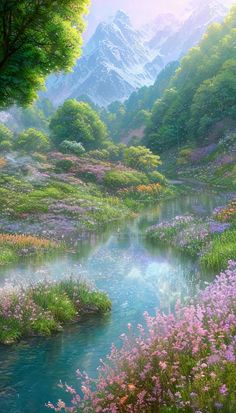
(14, 248)
(181, 362)
(135, 276)
(212, 239)
(212, 164)
(44, 308)
(65, 198)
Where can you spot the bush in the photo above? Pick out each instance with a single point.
(156, 177)
(116, 152)
(72, 147)
(141, 158)
(5, 146)
(64, 165)
(115, 179)
(32, 140)
(6, 138)
(184, 156)
(100, 154)
(78, 122)
(5, 133)
(110, 152)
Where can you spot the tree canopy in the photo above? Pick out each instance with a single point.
(201, 94)
(141, 158)
(37, 37)
(78, 122)
(32, 140)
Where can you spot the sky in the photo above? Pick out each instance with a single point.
(140, 11)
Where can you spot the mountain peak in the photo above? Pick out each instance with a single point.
(119, 59)
(213, 5)
(121, 17)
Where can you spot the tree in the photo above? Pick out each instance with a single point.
(6, 138)
(77, 121)
(32, 140)
(201, 93)
(5, 133)
(141, 158)
(37, 37)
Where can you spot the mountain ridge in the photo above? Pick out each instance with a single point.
(119, 59)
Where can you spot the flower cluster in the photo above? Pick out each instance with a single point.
(151, 188)
(200, 153)
(181, 362)
(197, 237)
(3, 162)
(24, 241)
(42, 308)
(185, 233)
(226, 214)
(143, 192)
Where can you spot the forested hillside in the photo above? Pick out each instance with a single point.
(200, 102)
(135, 111)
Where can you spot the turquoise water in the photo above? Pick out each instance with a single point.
(137, 278)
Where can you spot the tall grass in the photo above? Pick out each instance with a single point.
(44, 308)
(222, 248)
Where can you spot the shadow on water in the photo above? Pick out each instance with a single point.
(138, 277)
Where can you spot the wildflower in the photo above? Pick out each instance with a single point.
(223, 390)
(131, 387)
(163, 365)
(123, 400)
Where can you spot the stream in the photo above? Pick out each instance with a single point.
(137, 278)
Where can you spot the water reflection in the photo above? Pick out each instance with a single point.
(137, 276)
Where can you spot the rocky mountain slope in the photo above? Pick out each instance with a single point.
(119, 59)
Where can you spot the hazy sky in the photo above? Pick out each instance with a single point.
(140, 11)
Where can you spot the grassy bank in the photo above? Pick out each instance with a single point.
(61, 197)
(212, 163)
(212, 240)
(44, 308)
(15, 247)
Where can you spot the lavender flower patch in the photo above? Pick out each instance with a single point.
(217, 227)
(185, 233)
(182, 362)
(198, 154)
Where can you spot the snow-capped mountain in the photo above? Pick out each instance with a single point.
(118, 59)
(198, 17)
(112, 66)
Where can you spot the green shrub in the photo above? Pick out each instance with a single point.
(5, 146)
(77, 121)
(100, 154)
(32, 140)
(156, 177)
(116, 179)
(64, 165)
(141, 158)
(116, 152)
(72, 147)
(5, 134)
